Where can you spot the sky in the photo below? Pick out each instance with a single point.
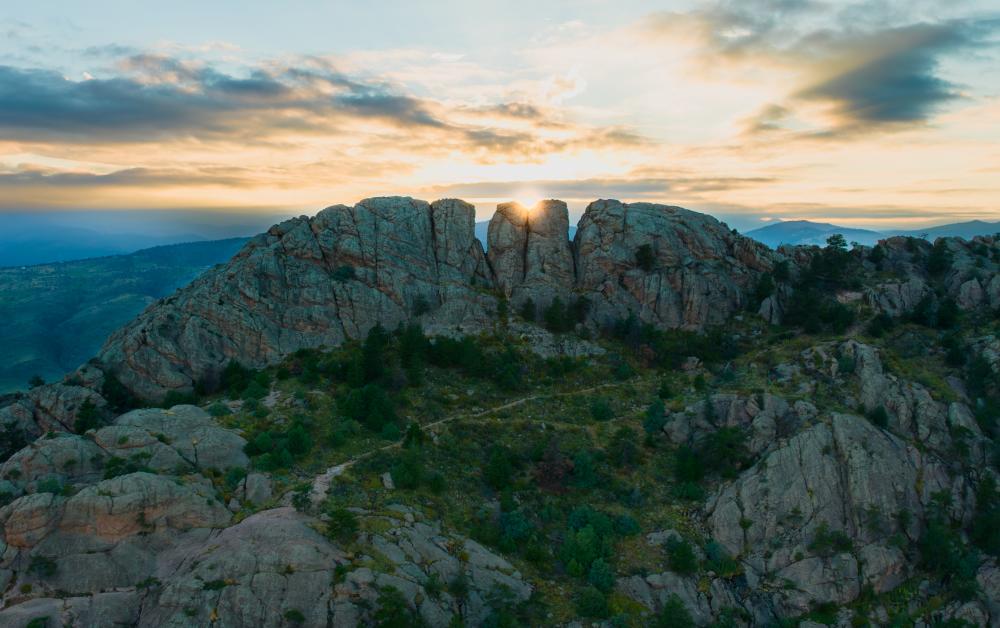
(875, 113)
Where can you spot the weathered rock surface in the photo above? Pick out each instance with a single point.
(148, 549)
(52, 407)
(529, 251)
(701, 273)
(833, 504)
(832, 477)
(704, 603)
(968, 269)
(313, 282)
(181, 440)
(766, 417)
(899, 297)
(308, 283)
(912, 410)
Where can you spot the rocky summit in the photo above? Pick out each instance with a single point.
(367, 418)
(315, 282)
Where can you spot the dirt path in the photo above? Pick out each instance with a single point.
(321, 483)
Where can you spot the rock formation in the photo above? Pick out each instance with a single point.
(699, 274)
(529, 251)
(154, 544)
(314, 282)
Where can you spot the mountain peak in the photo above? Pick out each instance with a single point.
(320, 281)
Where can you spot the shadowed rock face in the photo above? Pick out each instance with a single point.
(530, 253)
(314, 282)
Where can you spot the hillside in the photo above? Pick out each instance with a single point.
(804, 233)
(967, 230)
(808, 233)
(57, 315)
(366, 419)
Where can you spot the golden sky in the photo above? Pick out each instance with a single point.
(873, 113)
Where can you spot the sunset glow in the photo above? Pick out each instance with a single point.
(859, 113)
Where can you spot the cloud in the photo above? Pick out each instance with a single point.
(631, 187)
(888, 78)
(128, 177)
(858, 68)
(157, 98)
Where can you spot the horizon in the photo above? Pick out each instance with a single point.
(876, 115)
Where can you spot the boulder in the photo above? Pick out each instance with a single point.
(181, 438)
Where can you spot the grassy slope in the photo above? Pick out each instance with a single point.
(56, 316)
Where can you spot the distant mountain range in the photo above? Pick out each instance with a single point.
(804, 232)
(965, 230)
(29, 238)
(57, 315)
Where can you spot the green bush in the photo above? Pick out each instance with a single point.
(370, 406)
(827, 542)
(135, 463)
(688, 465)
(342, 526)
(50, 485)
(235, 378)
(42, 566)
(408, 473)
(585, 473)
(764, 288)
(218, 409)
(681, 557)
(689, 491)
(394, 612)
(725, 451)
(645, 258)
(119, 398)
(717, 559)
(942, 552)
(177, 398)
(591, 602)
(299, 440)
(623, 450)
(233, 477)
(601, 576)
(655, 418)
(674, 614)
(986, 522)
(498, 469)
(879, 417)
(421, 305)
(254, 390)
(880, 324)
(87, 417)
(527, 311)
(665, 391)
(12, 440)
(600, 410)
(557, 318)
